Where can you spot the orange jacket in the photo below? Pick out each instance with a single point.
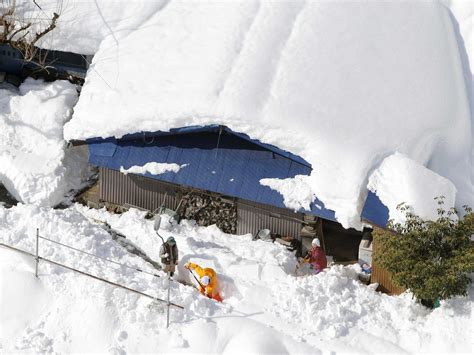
(211, 289)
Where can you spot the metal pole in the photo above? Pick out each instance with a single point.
(37, 251)
(168, 311)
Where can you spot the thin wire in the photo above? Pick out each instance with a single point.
(111, 261)
(218, 139)
(89, 64)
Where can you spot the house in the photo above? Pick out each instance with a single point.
(54, 65)
(223, 169)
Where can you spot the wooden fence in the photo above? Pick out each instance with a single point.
(383, 277)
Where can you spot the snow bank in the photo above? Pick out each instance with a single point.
(35, 165)
(341, 84)
(331, 312)
(153, 168)
(399, 179)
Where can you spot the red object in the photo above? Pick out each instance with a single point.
(217, 297)
(317, 258)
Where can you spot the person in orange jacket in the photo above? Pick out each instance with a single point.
(207, 280)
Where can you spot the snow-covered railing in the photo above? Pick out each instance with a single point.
(38, 258)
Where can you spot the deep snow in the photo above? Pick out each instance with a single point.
(350, 83)
(344, 85)
(35, 165)
(266, 308)
(401, 180)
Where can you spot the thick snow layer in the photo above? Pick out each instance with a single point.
(35, 165)
(266, 309)
(82, 25)
(153, 168)
(344, 85)
(399, 179)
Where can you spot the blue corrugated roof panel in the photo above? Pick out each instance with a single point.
(218, 160)
(149, 138)
(375, 211)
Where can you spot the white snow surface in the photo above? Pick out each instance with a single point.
(399, 179)
(35, 165)
(296, 192)
(342, 84)
(266, 309)
(153, 168)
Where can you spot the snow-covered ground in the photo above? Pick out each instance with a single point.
(266, 308)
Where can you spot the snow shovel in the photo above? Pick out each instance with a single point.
(218, 298)
(156, 227)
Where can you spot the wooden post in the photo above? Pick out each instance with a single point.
(168, 300)
(37, 252)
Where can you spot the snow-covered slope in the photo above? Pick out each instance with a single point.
(35, 165)
(266, 308)
(342, 84)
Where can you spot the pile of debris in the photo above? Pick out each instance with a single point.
(207, 210)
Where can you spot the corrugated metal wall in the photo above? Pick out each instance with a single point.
(121, 189)
(252, 217)
(133, 190)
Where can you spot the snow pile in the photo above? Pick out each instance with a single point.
(341, 84)
(266, 309)
(153, 168)
(296, 191)
(35, 165)
(400, 179)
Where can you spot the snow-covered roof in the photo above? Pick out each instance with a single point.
(211, 158)
(342, 85)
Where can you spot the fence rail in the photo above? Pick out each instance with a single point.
(37, 257)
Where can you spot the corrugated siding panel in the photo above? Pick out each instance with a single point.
(121, 189)
(253, 217)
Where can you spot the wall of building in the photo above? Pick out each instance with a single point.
(253, 217)
(137, 191)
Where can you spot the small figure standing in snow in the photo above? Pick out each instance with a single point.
(169, 255)
(207, 280)
(316, 256)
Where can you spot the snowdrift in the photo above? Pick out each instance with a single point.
(344, 85)
(266, 308)
(35, 165)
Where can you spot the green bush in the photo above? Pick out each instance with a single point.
(431, 258)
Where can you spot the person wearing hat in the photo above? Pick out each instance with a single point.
(207, 280)
(169, 255)
(316, 256)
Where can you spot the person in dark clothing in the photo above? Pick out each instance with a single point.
(169, 255)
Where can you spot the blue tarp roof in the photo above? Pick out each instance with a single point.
(218, 159)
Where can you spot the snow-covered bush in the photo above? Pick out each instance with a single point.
(431, 258)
